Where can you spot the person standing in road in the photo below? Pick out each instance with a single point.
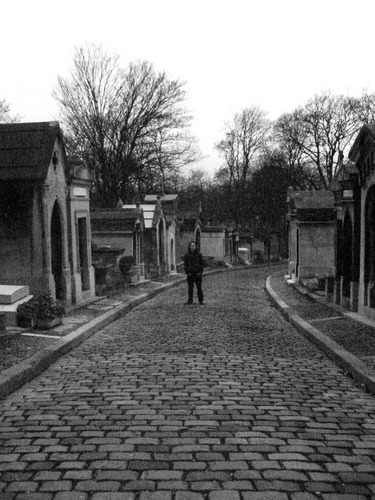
(193, 263)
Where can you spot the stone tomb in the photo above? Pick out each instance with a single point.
(10, 298)
(311, 220)
(45, 233)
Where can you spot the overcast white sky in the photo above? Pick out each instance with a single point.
(232, 54)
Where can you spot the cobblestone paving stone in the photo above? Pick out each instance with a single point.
(218, 402)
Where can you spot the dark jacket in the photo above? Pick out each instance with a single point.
(193, 262)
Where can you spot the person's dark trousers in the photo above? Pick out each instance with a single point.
(197, 279)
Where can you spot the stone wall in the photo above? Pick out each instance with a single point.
(212, 244)
(316, 249)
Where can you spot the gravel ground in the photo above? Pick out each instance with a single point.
(362, 343)
(15, 349)
(354, 336)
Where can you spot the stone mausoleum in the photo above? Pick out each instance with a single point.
(311, 218)
(169, 204)
(45, 234)
(117, 246)
(355, 248)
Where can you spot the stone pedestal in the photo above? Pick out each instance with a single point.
(10, 310)
(11, 293)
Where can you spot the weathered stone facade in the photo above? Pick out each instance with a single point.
(355, 198)
(311, 233)
(117, 246)
(155, 239)
(79, 242)
(45, 238)
(189, 229)
(344, 284)
(220, 244)
(168, 204)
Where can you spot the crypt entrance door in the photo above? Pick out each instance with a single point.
(297, 253)
(57, 251)
(83, 252)
(369, 269)
(347, 258)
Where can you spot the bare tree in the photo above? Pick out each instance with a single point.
(165, 154)
(329, 126)
(364, 107)
(315, 135)
(5, 115)
(123, 121)
(289, 134)
(245, 137)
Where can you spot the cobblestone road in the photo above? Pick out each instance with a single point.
(221, 402)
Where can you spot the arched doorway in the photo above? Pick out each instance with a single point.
(369, 271)
(297, 253)
(83, 252)
(198, 239)
(161, 246)
(347, 249)
(173, 264)
(57, 250)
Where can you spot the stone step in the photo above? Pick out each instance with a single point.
(10, 310)
(9, 294)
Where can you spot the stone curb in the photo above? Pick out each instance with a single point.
(356, 367)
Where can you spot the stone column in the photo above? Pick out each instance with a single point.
(48, 279)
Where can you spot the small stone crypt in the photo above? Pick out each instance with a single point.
(117, 247)
(311, 220)
(45, 235)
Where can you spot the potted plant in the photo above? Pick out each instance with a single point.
(49, 312)
(26, 313)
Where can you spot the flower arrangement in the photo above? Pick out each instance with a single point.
(48, 308)
(27, 312)
(38, 309)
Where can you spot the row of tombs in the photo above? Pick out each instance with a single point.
(332, 232)
(51, 241)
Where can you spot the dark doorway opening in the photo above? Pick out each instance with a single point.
(57, 251)
(198, 240)
(161, 246)
(82, 252)
(297, 256)
(369, 271)
(347, 255)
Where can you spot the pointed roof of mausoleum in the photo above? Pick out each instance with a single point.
(168, 201)
(26, 149)
(347, 171)
(367, 130)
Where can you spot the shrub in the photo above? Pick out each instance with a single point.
(41, 306)
(28, 310)
(47, 307)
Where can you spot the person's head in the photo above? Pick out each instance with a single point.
(192, 246)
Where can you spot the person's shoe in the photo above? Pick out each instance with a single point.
(201, 303)
(188, 303)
